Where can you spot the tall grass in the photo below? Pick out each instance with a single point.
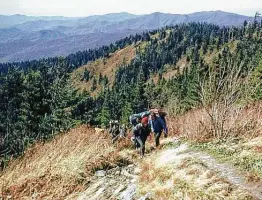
(243, 121)
(60, 167)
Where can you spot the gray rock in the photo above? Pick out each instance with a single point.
(137, 171)
(119, 189)
(100, 173)
(127, 174)
(117, 172)
(146, 197)
(131, 166)
(133, 180)
(129, 193)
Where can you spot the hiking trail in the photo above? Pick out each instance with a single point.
(177, 166)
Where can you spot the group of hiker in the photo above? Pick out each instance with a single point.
(146, 122)
(152, 121)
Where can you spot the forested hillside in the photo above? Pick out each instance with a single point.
(26, 38)
(179, 68)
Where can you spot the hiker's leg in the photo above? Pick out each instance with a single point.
(137, 145)
(140, 141)
(157, 137)
(115, 138)
(144, 145)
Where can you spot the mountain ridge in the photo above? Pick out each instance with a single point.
(118, 25)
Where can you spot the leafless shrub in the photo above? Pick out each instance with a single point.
(221, 89)
(241, 121)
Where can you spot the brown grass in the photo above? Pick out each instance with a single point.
(241, 122)
(54, 170)
(107, 67)
(253, 177)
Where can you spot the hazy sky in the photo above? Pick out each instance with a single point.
(91, 7)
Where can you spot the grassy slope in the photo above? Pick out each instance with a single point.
(55, 169)
(62, 167)
(107, 67)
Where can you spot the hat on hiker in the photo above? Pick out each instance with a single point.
(144, 120)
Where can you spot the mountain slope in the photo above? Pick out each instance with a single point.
(102, 67)
(207, 78)
(111, 26)
(83, 164)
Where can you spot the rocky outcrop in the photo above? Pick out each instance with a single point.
(116, 183)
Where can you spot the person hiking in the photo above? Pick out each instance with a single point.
(141, 131)
(158, 125)
(135, 119)
(159, 113)
(114, 129)
(122, 130)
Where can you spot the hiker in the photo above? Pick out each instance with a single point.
(116, 130)
(123, 130)
(158, 125)
(141, 131)
(135, 119)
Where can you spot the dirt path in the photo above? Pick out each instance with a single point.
(174, 172)
(231, 174)
(186, 161)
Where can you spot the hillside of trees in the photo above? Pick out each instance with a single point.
(223, 64)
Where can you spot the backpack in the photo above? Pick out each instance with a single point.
(134, 119)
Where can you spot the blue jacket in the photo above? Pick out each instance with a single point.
(158, 125)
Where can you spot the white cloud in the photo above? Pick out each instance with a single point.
(91, 7)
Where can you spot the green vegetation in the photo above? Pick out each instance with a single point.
(39, 101)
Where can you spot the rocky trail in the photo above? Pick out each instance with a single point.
(111, 184)
(176, 171)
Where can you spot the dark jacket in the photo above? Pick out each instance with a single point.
(140, 130)
(158, 125)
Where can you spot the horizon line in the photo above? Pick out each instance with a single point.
(123, 12)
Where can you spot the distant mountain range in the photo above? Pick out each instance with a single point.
(26, 38)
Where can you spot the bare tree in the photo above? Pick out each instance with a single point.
(220, 90)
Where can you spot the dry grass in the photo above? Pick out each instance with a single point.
(55, 169)
(107, 67)
(241, 122)
(184, 177)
